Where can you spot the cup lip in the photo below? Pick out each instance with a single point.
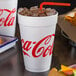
(38, 17)
(38, 21)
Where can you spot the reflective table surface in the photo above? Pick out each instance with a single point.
(11, 61)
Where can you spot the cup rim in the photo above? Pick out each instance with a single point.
(37, 17)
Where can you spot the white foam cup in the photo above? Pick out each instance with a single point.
(8, 17)
(37, 37)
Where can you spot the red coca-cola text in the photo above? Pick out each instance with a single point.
(40, 48)
(9, 20)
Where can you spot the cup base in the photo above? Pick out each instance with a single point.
(37, 70)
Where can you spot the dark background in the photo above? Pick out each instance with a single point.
(60, 9)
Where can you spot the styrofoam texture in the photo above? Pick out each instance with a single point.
(8, 4)
(34, 29)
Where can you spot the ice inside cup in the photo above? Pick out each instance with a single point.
(36, 12)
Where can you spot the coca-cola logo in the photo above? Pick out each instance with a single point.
(9, 19)
(41, 48)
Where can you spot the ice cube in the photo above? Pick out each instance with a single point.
(20, 9)
(41, 11)
(50, 12)
(34, 8)
(48, 9)
(29, 13)
(42, 14)
(26, 9)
